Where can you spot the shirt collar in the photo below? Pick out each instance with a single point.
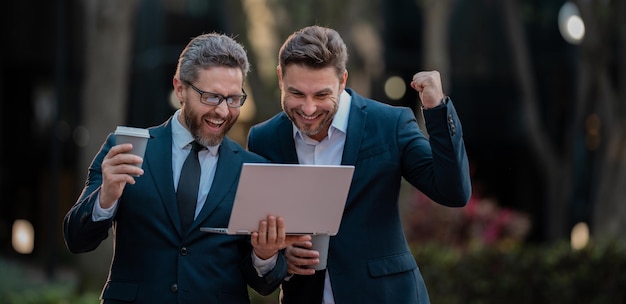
(182, 137)
(340, 121)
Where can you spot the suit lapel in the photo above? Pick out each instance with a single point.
(288, 146)
(158, 164)
(226, 174)
(356, 129)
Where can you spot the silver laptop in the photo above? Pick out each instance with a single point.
(310, 198)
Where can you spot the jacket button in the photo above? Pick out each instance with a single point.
(174, 287)
(183, 251)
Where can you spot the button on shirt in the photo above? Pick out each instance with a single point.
(326, 152)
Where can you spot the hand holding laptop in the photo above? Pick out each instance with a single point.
(271, 237)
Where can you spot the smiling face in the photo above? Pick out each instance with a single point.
(310, 97)
(209, 124)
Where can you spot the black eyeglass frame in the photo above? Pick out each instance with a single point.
(220, 97)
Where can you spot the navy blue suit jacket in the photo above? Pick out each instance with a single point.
(369, 260)
(154, 261)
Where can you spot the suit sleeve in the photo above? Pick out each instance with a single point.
(266, 284)
(80, 232)
(437, 166)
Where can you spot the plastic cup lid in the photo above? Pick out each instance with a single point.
(130, 131)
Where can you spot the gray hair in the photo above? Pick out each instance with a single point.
(211, 50)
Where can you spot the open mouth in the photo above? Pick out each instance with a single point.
(215, 123)
(310, 118)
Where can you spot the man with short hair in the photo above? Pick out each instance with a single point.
(325, 123)
(160, 255)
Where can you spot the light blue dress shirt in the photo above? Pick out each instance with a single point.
(181, 146)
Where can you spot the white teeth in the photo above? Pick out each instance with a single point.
(216, 122)
(308, 117)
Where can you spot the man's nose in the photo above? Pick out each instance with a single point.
(222, 109)
(309, 107)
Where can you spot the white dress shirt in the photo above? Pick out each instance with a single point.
(326, 152)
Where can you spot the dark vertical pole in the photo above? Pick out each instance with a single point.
(51, 215)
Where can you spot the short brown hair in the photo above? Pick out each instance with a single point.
(314, 47)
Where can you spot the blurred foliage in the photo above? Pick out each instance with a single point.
(595, 274)
(483, 222)
(524, 274)
(256, 298)
(19, 286)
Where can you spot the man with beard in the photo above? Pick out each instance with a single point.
(158, 256)
(325, 123)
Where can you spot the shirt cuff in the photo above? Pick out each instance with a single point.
(101, 214)
(263, 266)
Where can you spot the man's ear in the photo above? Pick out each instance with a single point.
(178, 89)
(343, 80)
(279, 74)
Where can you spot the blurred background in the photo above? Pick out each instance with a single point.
(540, 87)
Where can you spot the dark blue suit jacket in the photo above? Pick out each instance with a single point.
(154, 261)
(369, 260)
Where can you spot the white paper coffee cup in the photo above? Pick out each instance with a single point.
(320, 243)
(138, 137)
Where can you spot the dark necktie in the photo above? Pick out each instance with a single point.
(188, 184)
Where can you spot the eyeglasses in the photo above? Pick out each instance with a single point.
(214, 99)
